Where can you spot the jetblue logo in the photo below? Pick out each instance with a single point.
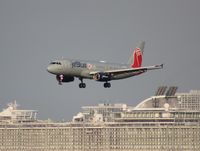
(78, 64)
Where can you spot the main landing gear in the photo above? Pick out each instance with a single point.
(82, 85)
(107, 85)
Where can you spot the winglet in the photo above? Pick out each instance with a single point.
(160, 66)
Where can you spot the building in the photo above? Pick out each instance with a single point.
(159, 123)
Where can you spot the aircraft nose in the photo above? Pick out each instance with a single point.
(49, 69)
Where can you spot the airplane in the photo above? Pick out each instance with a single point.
(66, 70)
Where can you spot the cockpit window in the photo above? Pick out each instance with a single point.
(58, 63)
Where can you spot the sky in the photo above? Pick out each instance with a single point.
(34, 33)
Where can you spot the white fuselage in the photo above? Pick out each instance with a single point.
(82, 69)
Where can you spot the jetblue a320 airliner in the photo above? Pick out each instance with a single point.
(67, 69)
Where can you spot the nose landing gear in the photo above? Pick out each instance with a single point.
(60, 79)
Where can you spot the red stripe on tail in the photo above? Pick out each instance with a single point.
(137, 56)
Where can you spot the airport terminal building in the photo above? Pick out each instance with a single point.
(167, 121)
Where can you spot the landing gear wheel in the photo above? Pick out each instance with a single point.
(107, 85)
(82, 85)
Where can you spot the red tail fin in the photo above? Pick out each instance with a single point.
(137, 56)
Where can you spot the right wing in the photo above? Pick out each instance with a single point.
(128, 70)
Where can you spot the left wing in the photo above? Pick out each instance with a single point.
(128, 70)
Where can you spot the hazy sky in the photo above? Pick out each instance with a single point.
(33, 33)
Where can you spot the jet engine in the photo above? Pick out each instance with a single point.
(102, 76)
(62, 78)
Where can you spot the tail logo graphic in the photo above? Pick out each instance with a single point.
(137, 55)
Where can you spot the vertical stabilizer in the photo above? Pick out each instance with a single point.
(136, 57)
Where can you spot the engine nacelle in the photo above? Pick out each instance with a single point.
(102, 77)
(62, 78)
